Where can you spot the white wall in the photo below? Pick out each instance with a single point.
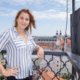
(53, 64)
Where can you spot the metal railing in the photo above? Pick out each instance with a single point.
(74, 59)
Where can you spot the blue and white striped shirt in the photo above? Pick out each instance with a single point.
(18, 52)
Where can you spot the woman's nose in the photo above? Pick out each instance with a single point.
(24, 20)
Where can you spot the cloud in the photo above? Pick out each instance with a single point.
(0, 2)
(77, 4)
(18, 2)
(11, 14)
(3, 14)
(50, 14)
(2, 8)
(61, 1)
(24, 2)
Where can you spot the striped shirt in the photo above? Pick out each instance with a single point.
(18, 51)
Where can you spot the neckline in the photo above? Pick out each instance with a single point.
(21, 37)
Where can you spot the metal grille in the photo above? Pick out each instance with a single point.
(74, 59)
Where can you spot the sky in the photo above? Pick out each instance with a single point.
(50, 15)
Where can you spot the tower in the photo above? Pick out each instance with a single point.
(60, 36)
(60, 32)
(57, 32)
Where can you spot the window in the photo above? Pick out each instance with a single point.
(64, 69)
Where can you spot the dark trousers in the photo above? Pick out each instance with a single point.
(13, 78)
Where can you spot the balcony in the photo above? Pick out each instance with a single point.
(51, 74)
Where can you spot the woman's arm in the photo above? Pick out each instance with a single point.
(40, 52)
(4, 39)
(37, 48)
(8, 72)
(1, 68)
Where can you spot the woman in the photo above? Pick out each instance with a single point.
(20, 45)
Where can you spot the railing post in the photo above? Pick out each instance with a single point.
(79, 78)
(73, 73)
(73, 28)
(73, 6)
(73, 36)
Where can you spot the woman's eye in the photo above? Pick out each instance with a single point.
(27, 19)
(21, 17)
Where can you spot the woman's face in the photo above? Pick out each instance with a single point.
(23, 20)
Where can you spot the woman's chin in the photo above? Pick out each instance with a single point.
(23, 27)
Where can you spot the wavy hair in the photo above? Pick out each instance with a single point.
(32, 20)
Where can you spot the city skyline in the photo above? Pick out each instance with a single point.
(50, 15)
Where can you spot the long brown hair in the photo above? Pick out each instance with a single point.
(32, 20)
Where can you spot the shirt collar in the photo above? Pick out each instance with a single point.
(14, 29)
(17, 33)
(27, 32)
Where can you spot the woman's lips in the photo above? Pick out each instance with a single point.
(23, 24)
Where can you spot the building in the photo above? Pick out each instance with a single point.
(56, 64)
(37, 63)
(49, 39)
(48, 46)
(59, 35)
(45, 38)
(52, 64)
(48, 75)
(67, 45)
(60, 65)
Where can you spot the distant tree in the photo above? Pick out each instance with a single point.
(65, 76)
(1, 77)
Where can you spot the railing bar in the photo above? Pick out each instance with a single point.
(52, 53)
(76, 67)
(45, 52)
(60, 66)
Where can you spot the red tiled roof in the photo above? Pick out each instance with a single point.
(48, 75)
(48, 45)
(51, 74)
(68, 42)
(62, 42)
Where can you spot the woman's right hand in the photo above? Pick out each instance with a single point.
(10, 72)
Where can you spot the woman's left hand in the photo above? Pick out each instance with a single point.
(40, 52)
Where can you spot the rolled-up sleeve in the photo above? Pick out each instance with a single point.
(4, 38)
(34, 44)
